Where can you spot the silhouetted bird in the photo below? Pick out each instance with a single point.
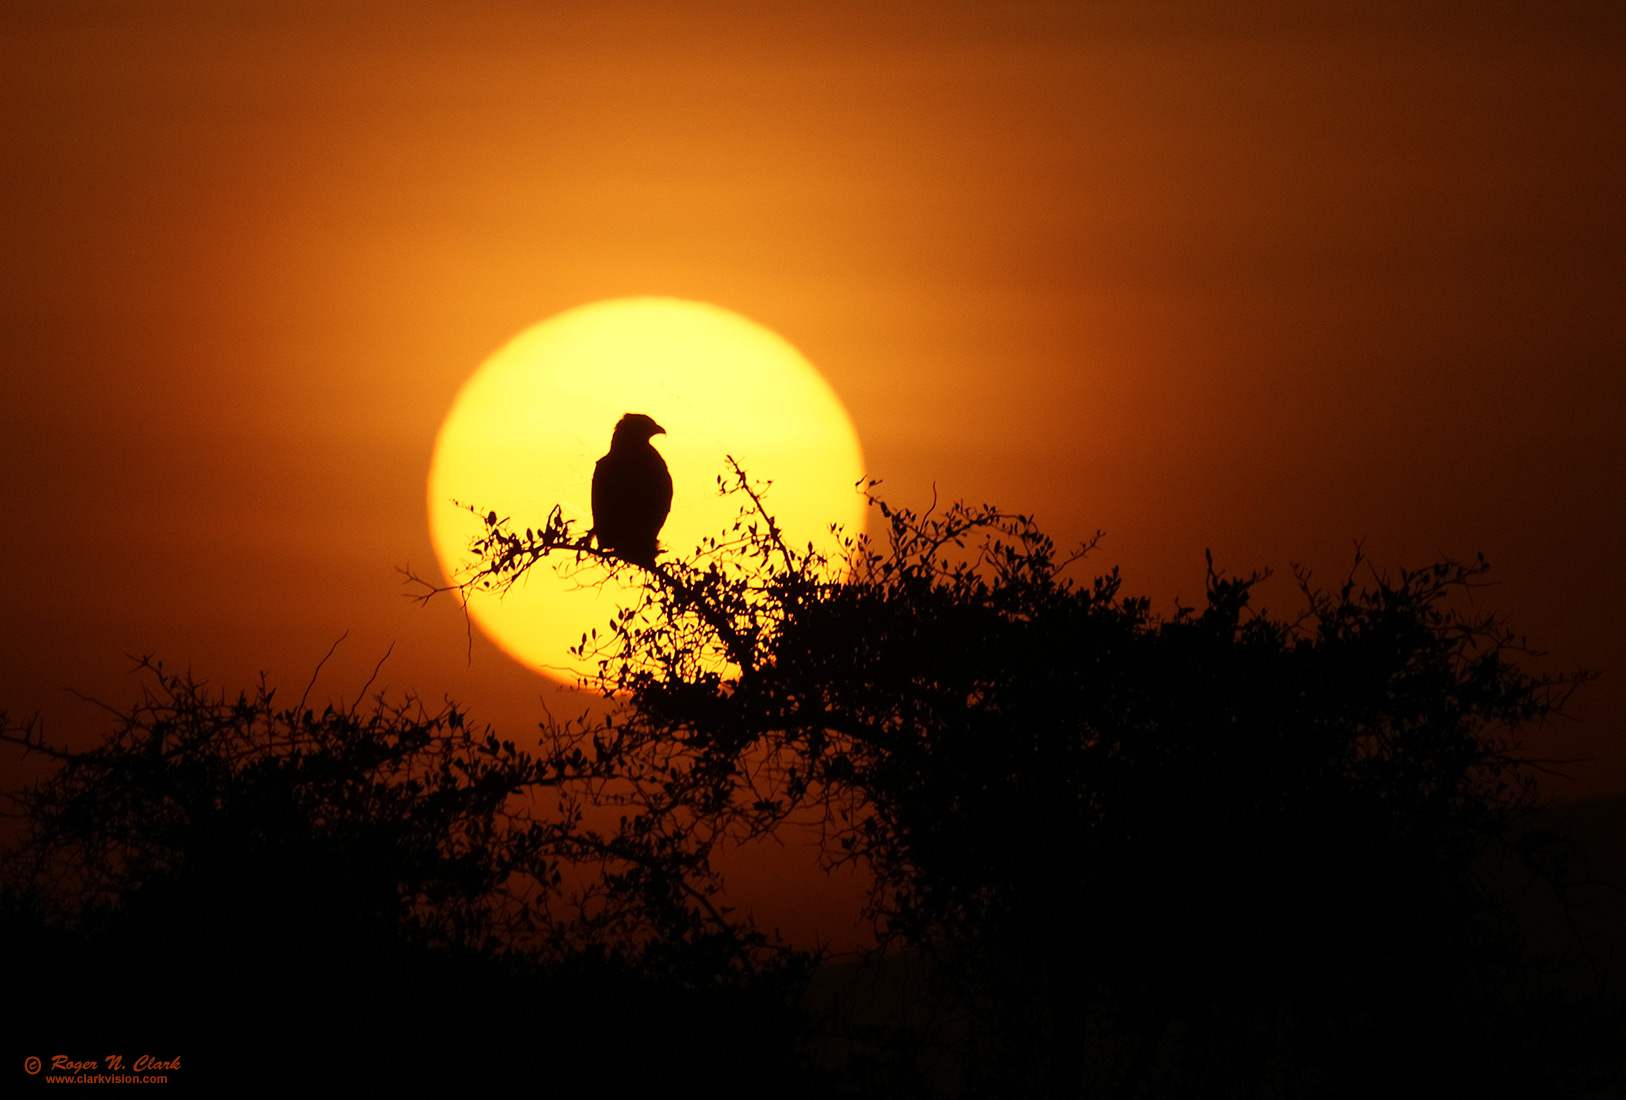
(632, 492)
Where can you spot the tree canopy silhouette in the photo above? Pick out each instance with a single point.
(1210, 853)
(357, 894)
(1137, 852)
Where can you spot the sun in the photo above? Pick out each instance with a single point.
(529, 424)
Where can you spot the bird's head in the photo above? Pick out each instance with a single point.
(635, 427)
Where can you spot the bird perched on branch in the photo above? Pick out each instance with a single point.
(632, 492)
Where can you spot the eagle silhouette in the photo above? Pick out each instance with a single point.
(632, 492)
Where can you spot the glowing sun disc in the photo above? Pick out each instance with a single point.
(528, 426)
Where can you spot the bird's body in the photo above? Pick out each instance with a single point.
(632, 492)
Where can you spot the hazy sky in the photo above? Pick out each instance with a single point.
(1265, 279)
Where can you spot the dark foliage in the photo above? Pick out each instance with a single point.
(361, 896)
(1217, 853)
(1211, 854)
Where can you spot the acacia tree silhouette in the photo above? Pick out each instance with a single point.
(1213, 853)
(357, 894)
(1216, 853)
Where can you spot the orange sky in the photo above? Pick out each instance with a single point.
(1214, 275)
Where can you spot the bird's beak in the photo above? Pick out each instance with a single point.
(658, 430)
